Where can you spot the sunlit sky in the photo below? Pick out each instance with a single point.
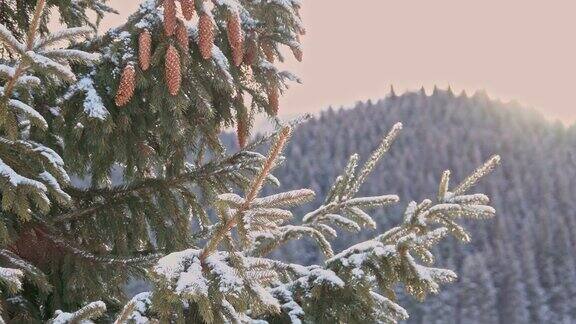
(514, 49)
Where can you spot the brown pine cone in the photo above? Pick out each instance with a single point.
(187, 7)
(144, 49)
(251, 51)
(182, 36)
(172, 70)
(236, 38)
(127, 86)
(169, 17)
(242, 122)
(268, 51)
(297, 53)
(205, 35)
(273, 99)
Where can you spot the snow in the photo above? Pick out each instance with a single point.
(232, 199)
(28, 80)
(93, 105)
(373, 201)
(431, 275)
(192, 282)
(7, 36)
(265, 297)
(14, 276)
(142, 303)
(46, 63)
(291, 307)
(364, 218)
(67, 318)
(7, 70)
(72, 54)
(29, 111)
(173, 264)
(53, 183)
(51, 157)
(390, 305)
(230, 282)
(68, 33)
(324, 276)
(341, 221)
(357, 254)
(285, 199)
(231, 4)
(222, 62)
(16, 180)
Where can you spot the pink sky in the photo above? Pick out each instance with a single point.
(515, 49)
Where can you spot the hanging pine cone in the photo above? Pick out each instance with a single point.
(268, 51)
(242, 132)
(236, 38)
(242, 121)
(205, 35)
(297, 51)
(169, 17)
(144, 49)
(273, 99)
(172, 70)
(187, 7)
(126, 87)
(182, 36)
(251, 50)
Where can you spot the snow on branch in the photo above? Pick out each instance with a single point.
(91, 311)
(42, 62)
(72, 55)
(62, 35)
(12, 279)
(10, 41)
(93, 105)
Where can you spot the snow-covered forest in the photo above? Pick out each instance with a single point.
(521, 266)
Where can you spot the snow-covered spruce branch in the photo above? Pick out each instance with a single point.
(244, 160)
(30, 171)
(32, 273)
(83, 315)
(388, 260)
(231, 214)
(105, 198)
(341, 208)
(363, 276)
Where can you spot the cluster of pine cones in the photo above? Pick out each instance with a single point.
(243, 51)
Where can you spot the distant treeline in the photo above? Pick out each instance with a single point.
(521, 266)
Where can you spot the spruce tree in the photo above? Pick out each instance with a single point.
(186, 214)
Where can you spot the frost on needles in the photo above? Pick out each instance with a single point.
(185, 214)
(241, 284)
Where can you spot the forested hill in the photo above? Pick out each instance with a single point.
(521, 266)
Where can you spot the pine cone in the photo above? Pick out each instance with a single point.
(187, 7)
(273, 99)
(126, 87)
(268, 51)
(297, 49)
(182, 36)
(297, 53)
(169, 17)
(242, 125)
(172, 70)
(236, 38)
(242, 133)
(144, 49)
(251, 50)
(206, 35)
